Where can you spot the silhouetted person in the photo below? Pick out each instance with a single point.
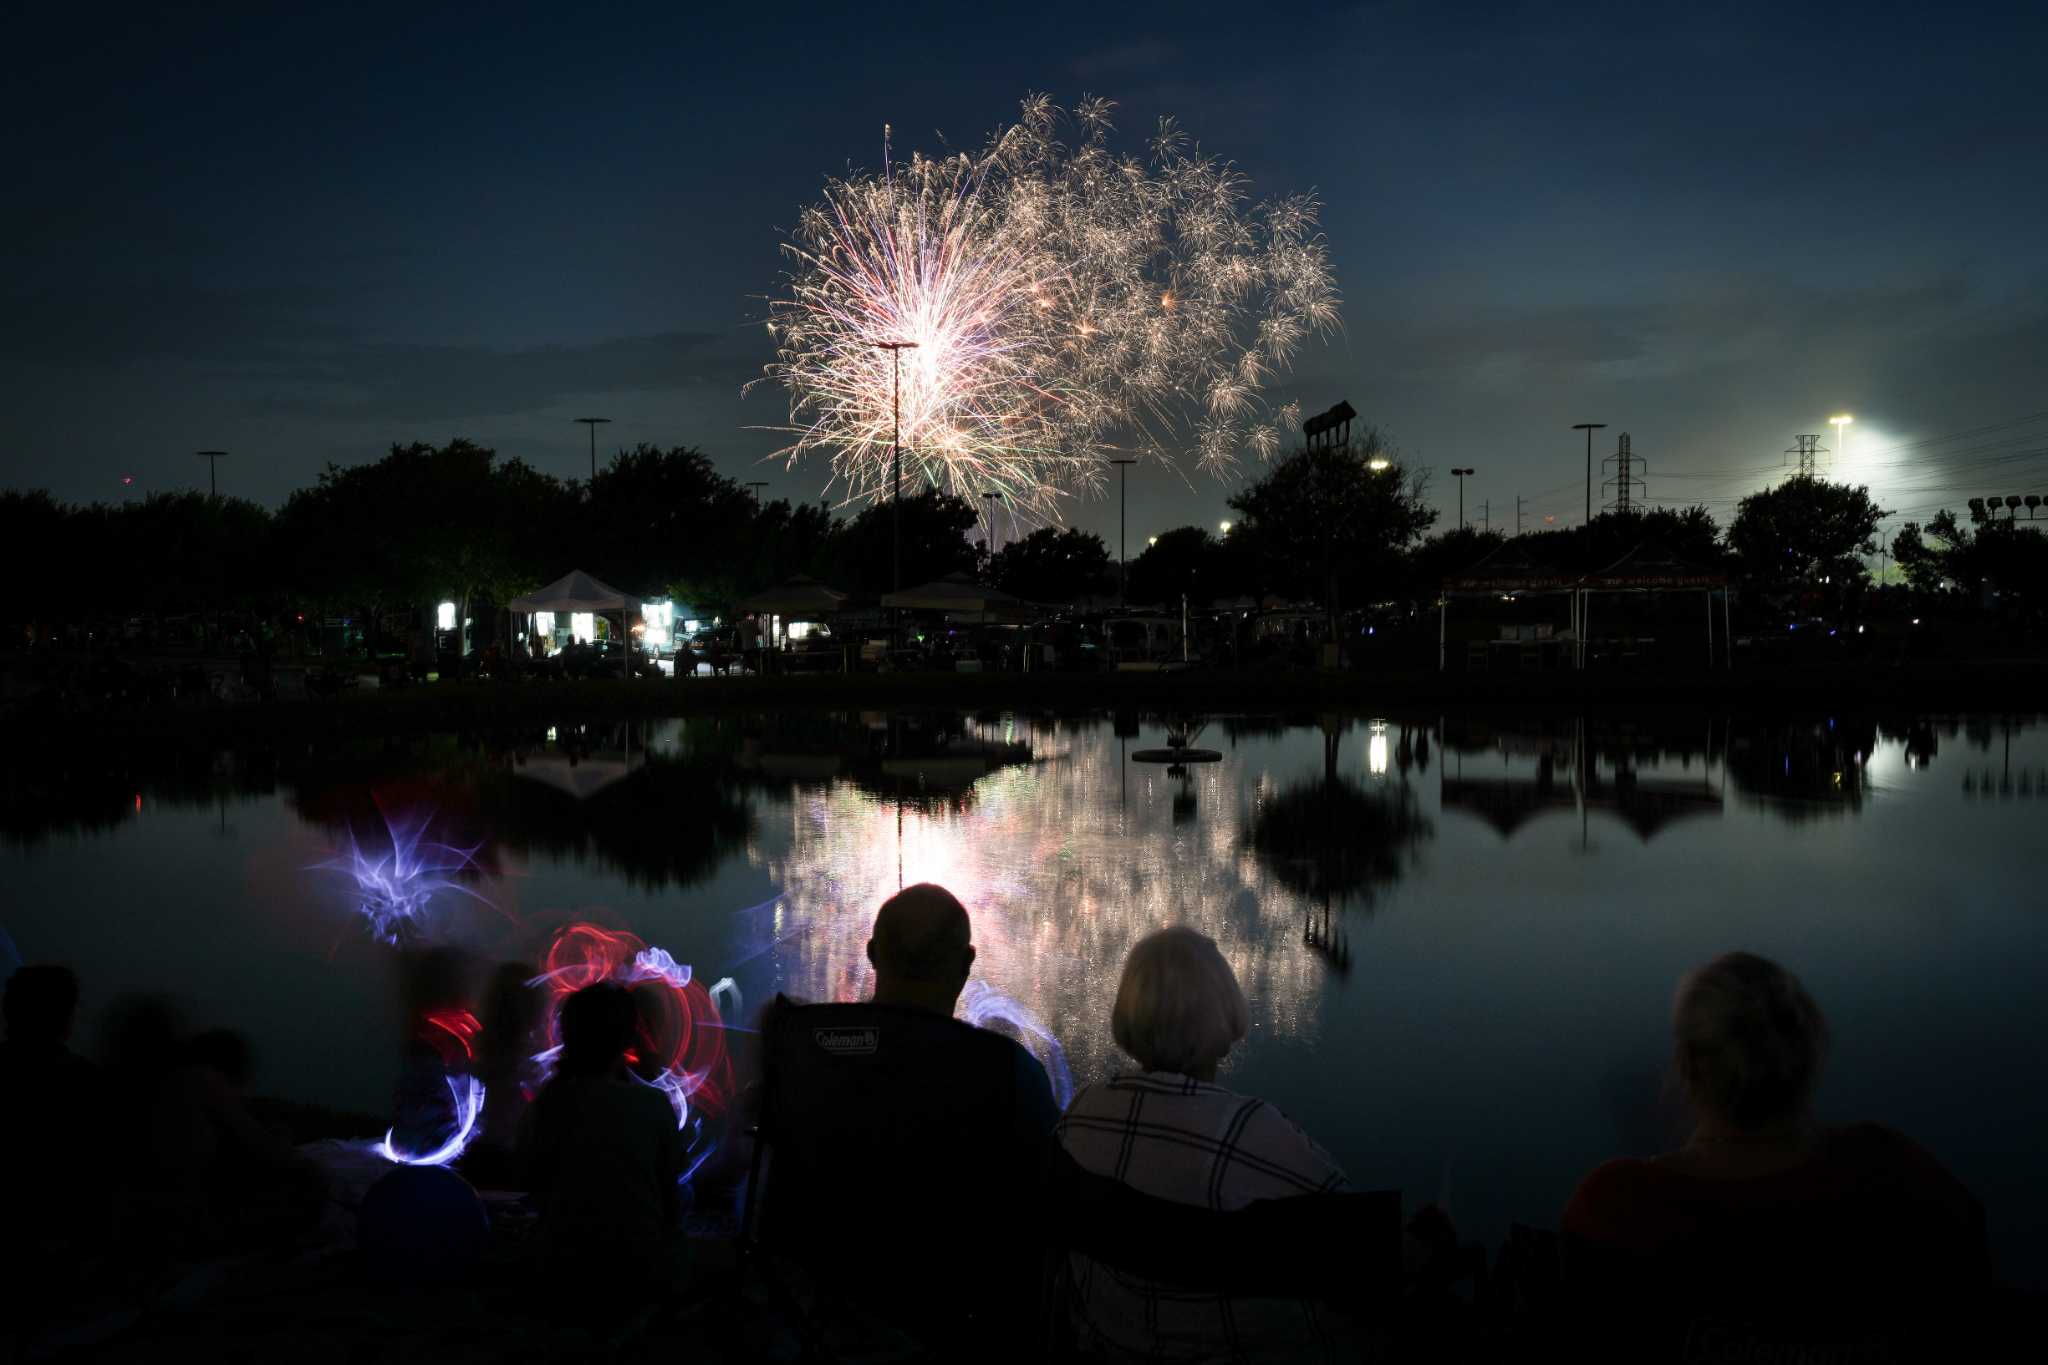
(905, 1146)
(1769, 1233)
(239, 1179)
(54, 1214)
(603, 1156)
(922, 952)
(441, 1035)
(1169, 1131)
(504, 1048)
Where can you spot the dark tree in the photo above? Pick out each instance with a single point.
(1052, 564)
(1325, 523)
(935, 530)
(1184, 562)
(1803, 533)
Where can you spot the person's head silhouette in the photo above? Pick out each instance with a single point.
(41, 1004)
(598, 1026)
(1749, 1044)
(921, 949)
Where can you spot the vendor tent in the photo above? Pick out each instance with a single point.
(958, 595)
(1655, 568)
(1509, 571)
(578, 591)
(801, 598)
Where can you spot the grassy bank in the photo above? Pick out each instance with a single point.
(1929, 685)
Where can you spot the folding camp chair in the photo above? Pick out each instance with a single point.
(893, 1175)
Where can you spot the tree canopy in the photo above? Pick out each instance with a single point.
(1804, 532)
(1325, 523)
(1053, 564)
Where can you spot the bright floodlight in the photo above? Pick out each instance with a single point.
(1224, 527)
(1378, 463)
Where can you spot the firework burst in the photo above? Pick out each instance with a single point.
(1066, 304)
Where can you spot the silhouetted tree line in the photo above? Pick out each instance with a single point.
(431, 523)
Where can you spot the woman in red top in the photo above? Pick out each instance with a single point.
(1769, 1232)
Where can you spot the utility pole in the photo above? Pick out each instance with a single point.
(1627, 487)
(1485, 516)
(212, 458)
(1589, 428)
(1518, 514)
(896, 350)
(1459, 475)
(1806, 449)
(757, 485)
(594, 423)
(1121, 466)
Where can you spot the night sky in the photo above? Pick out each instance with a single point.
(303, 234)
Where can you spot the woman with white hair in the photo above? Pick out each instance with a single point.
(1767, 1222)
(1169, 1131)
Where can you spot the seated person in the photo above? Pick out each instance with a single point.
(897, 1135)
(1169, 1131)
(52, 1142)
(242, 1181)
(1767, 1229)
(603, 1155)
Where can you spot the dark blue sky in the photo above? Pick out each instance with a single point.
(302, 234)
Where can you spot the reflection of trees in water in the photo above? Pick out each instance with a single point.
(95, 790)
(1334, 844)
(1805, 769)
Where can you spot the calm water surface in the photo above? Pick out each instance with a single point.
(1459, 937)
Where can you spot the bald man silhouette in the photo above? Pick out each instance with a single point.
(922, 951)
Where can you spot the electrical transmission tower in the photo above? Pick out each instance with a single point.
(1626, 483)
(1807, 452)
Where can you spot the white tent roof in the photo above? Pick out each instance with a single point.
(583, 778)
(575, 591)
(955, 592)
(797, 597)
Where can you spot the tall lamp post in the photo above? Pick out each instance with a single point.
(212, 458)
(1121, 466)
(896, 350)
(1459, 475)
(757, 485)
(988, 512)
(1841, 426)
(593, 423)
(1589, 428)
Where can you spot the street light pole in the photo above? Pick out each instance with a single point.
(1459, 475)
(1841, 426)
(212, 458)
(1589, 428)
(988, 501)
(757, 485)
(1121, 465)
(896, 350)
(593, 423)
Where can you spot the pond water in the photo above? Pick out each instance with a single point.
(1459, 935)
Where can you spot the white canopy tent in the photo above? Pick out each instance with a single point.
(577, 591)
(801, 597)
(958, 595)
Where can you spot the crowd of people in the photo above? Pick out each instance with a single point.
(909, 1164)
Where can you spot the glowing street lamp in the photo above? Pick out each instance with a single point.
(1841, 426)
(1224, 527)
(1379, 464)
